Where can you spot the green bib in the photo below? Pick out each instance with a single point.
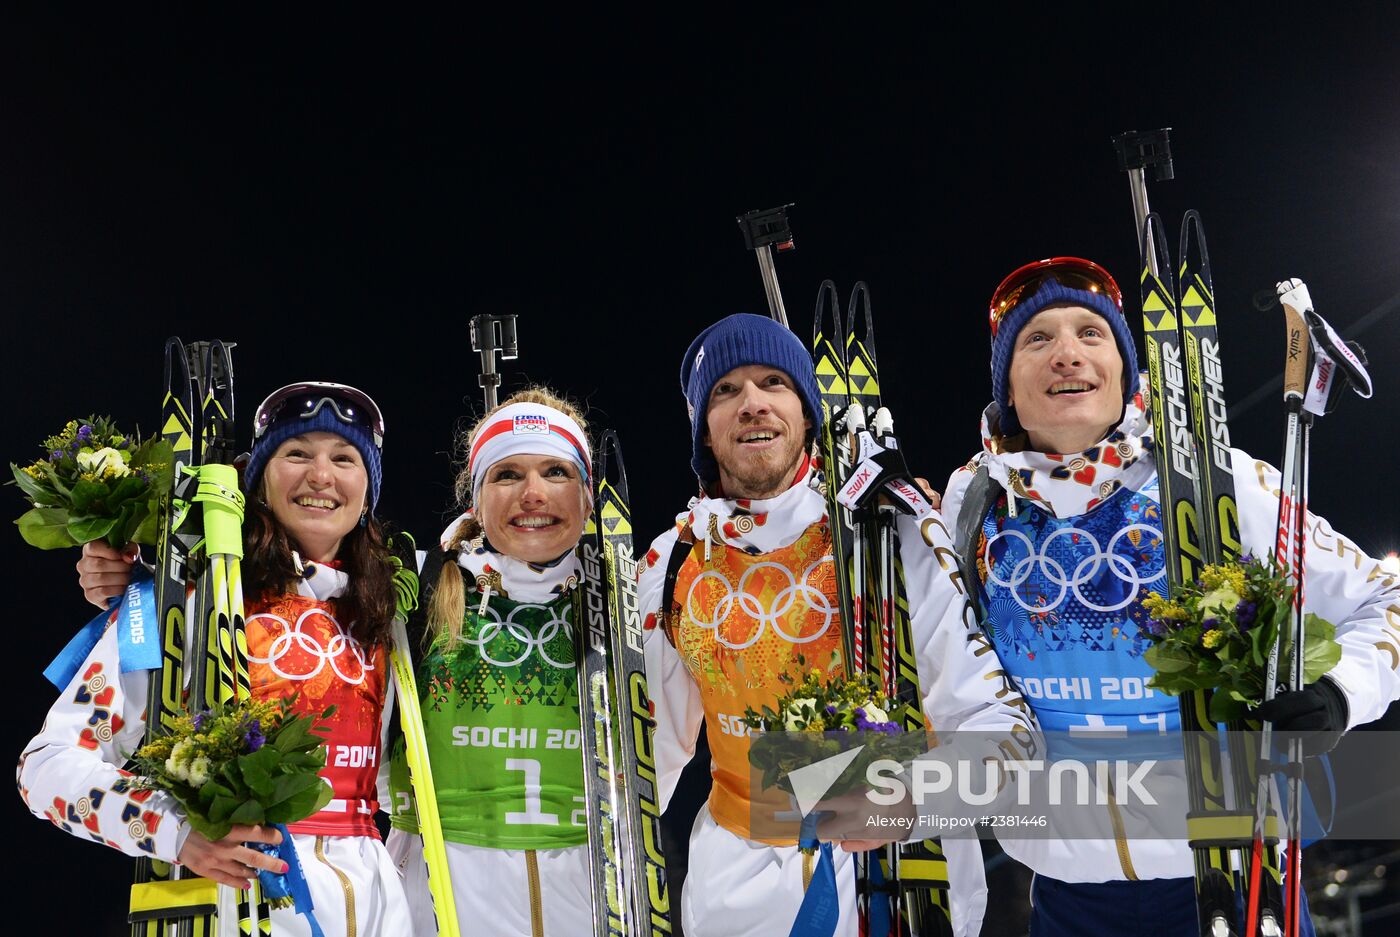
(500, 711)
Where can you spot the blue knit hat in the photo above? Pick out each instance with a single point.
(364, 432)
(731, 343)
(1050, 293)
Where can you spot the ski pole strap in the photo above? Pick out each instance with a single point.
(223, 508)
(881, 469)
(138, 641)
(821, 905)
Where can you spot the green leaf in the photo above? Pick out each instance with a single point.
(257, 770)
(46, 528)
(221, 809)
(292, 736)
(249, 812)
(1166, 658)
(32, 487)
(85, 529)
(210, 829)
(148, 530)
(1320, 651)
(87, 495)
(301, 805)
(1224, 707)
(290, 785)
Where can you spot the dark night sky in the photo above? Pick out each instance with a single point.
(339, 198)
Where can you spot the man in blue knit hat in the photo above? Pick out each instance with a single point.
(740, 596)
(1059, 529)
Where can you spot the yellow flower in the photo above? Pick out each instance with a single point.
(1212, 638)
(32, 471)
(1162, 609)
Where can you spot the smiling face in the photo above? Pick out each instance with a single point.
(316, 485)
(1066, 379)
(532, 507)
(757, 431)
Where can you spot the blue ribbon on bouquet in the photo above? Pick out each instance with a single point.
(821, 905)
(289, 888)
(138, 632)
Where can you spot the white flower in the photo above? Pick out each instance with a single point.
(178, 764)
(1221, 600)
(874, 713)
(794, 712)
(104, 461)
(199, 771)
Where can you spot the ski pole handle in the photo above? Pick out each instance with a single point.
(1293, 295)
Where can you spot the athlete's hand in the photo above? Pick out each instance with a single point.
(934, 497)
(859, 824)
(105, 571)
(228, 861)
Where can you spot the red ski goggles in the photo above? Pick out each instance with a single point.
(1075, 273)
(306, 399)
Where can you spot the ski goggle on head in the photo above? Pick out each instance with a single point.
(305, 400)
(1075, 273)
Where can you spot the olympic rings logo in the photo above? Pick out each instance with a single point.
(334, 653)
(1095, 559)
(749, 604)
(491, 627)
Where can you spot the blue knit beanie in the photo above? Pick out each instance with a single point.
(1050, 293)
(289, 423)
(731, 343)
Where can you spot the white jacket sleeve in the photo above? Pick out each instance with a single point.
(69, 773)
(674, 696)
(964, 686)
(1341, 584)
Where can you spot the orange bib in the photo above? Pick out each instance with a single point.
(742, 620)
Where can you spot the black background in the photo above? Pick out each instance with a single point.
(340, 197)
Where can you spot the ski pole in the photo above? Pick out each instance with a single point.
(764, 230)
(492, 335)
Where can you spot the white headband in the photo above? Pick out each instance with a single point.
(528, 429)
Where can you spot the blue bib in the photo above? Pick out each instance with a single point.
(1063, 600)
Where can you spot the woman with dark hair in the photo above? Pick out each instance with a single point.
(318, 578)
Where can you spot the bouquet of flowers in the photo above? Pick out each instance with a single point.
(824, 716)
(255, 762)
(94, 483)
(1216, 634)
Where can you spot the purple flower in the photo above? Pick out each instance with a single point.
(199, 719)
(1247, 559)
(84, 431)
(1245, 612)
(254, 736)
(830, 710)
(1156, 627)
(1210, 623)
